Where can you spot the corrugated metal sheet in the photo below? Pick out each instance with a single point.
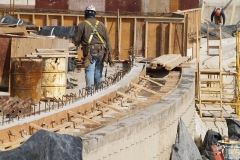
(80, 5)
(123, 5)
(188, 4)
(5, 53)
(52, 4)
(26, 78)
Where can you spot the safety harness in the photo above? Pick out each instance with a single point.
(94, 32)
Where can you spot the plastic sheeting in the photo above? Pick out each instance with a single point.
(58, 31)
(211, 138)
(46, 145)
(233, 129)
(184, 147)
(11, 20)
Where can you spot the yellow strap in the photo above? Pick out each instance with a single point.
(99, 36)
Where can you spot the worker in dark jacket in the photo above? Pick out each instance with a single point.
(218, 14)
(93, 36)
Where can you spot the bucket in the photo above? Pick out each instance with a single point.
(231, 149)
(54, 79)
(25, 78)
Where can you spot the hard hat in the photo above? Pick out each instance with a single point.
(90, 8)
(217, 12)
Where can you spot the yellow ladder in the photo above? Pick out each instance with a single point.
(210, 79)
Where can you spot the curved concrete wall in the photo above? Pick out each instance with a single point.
(148, 134)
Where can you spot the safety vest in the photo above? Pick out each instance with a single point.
(94, 32)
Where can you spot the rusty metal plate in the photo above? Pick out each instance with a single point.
(25, 79)
(123, 5)
(80, 5)
(188, 4)
(51, 4)
(5, 54)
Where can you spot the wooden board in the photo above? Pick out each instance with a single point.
(19, 48)
(175, 63)
(165, 59)
(13, 30)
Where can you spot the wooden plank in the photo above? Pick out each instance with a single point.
(36, 126)
(49, 53)
(50, 56)
(144, 88)
(50, 50)
(171, 65)
(19, 49)
(82, 117)
(170, 39)
(164, 59)
(62, 126)
(128, 96)
(13, 30)
(14, 144)
(108, 106)
(146, 40)
(151, 81)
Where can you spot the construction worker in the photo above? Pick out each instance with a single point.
(93, 36)
(218, 14)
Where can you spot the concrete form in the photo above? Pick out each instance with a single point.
(150, 133)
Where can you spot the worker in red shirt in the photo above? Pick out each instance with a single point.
(218, 14)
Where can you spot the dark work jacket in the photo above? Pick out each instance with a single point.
(221, 14)
(84, 30)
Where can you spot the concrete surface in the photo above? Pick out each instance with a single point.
(209, 5)
(148, 134)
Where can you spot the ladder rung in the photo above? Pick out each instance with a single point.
(209, 80)
(211, 109)
(214, 38)
(210, 70)
(213, 30)
(211, 89)
(213, 54)
(210, 99)
(213, 47)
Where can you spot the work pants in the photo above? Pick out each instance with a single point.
(93, 73)
(218, 20)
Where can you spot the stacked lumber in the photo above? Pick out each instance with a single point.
(50, 53)
(169, 61)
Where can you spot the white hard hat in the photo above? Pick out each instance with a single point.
(90, 8)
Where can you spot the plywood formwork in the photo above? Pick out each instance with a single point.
(128, 32)
(192, 19)
(147, 35)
